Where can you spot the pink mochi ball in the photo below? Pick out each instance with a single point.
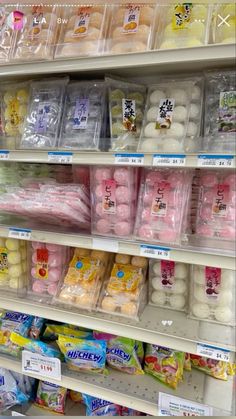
(167, 236)
(146, 232)
(99, 210)
(53, 247)
(34, 257)
(102, 174)
(175, 179)
(33, 272)
(54, 275)
(122, 228)
(231, 214)
(38, 287)
(204, 230)
(52, 289)
(123, 195)
(146, 214)
(208, 197)
(148, 198)
(121, 176)
(209, 180)
(37, 245)
(154, 177)
(103, 226)
(206, 213)
(54, 260)
(99, 191)
(123, 211)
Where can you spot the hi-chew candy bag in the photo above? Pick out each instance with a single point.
(10, 394)
(35, 346)
(83, 355)
(122, 355)
(51, 397)
(99, 407)
(52, 331)
(12, 321)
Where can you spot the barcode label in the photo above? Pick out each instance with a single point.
(215, 161)
(213, 352)
(130, 159)
(170, 405)
(19, 233)
(4, 155)
(60, 157)
(155, 252)
(169, 160)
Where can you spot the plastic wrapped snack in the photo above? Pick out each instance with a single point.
(224, 23)
(122, 355)
(10, 393)
(51, 397)
(82, 32)
(81, 286)
(213, 294)
(220, 111)
(163, 199)
(83, 117)
(36, 39)
(46, 268)
(165, 364)
(13, 265)
(216, 206)
(10, 21)
(130, 29)
(42, 124)
(182, 25)
(113, 195)
(126, 107)
(168, 284)
(212, 367)
(125, 292)
(173, 115)
(99, 407)
(11, 321)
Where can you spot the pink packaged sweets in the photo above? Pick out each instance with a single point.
(10, 20)
(114, 195)
(163, 199)
(47, 263)
(216, 205)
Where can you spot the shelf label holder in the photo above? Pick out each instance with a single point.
(41, 365)
(213, 352)
(222, 161)
(170, 405)
(173, 160)
(154, 252)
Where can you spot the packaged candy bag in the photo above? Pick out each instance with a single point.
(165, 364)
(52, 331)
(212, 367)
(139, 350)
(122, 355)
(12, 321)
(25, 384)
(51, 396)
(10, 394)
(34, 346)
(76, 396)
(36, 328)
(187, 362)
(99, 407)
(83, 355)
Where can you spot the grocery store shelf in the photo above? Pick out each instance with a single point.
(182, 334)
(108, 158)
(193, 59)
(72, 409)
(141, 392)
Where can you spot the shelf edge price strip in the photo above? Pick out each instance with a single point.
(63, 157)
(41, 365)
(154, 252)
(174, 160)
(20, 233)
(170, 405)
(224, 161)
(107, 245)
(130, 159)
(4, 155)
(213, 352)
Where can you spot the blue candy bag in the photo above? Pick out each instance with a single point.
(99, 407)
(10, 394)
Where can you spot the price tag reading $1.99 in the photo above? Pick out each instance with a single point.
(41, 365)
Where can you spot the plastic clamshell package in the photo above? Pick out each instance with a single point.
(130, 29)
(13, 266)
(212, 296)
(163, 198)
(126, 109)
(216, 206)
(168, 284)
(125, 292)
(172, 120)
(47, 263)
(182, 25)
(113, 200)
(36, 39)
(82, 32)
(81, 285)
(83, 116)
(41, 129)
(224, 33)
(6, 31)
(220, 111)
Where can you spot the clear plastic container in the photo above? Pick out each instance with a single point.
(7, 26)
(13, 266)
(212, 296)
(126, 108)
(168, 284)
(47, 263)
(125, 292)
(224, 23)
(82, 31)
(36, 40)
(83, 117)
(130, 29)
(182, 25)
(42, 125)
(216, 207)
(163, 198)
(81, 285)
(172, 120)
(113, 198)
(220, 112)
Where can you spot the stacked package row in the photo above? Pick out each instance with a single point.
(167, 116)
(45, 32)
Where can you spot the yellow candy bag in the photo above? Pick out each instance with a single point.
(212, 367)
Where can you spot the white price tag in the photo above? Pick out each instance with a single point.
(175, 160)
(106, 244)
(205, 160)
(4, 155)
(41, 365)
(154, 252)
(213, 352)
(20, 233)
(130, 159)
(60, 157)
(175, 406)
